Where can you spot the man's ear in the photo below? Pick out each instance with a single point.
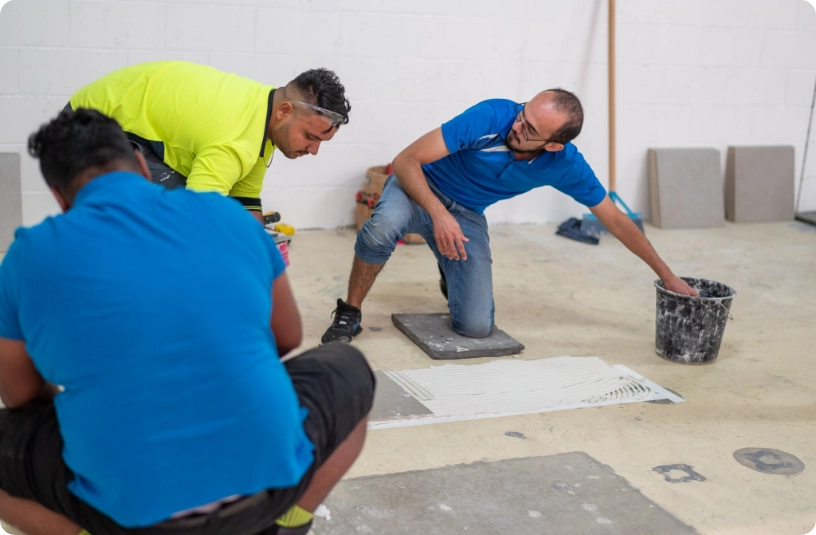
(552, 146)
(61, 200)
(143, 169)
(285, 110)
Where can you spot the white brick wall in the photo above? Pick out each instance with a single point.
(690, 73)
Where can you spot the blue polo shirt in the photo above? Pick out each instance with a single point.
(481, 170)
(151, 308)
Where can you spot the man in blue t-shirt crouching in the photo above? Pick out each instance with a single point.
(140, 341)
(442, 184)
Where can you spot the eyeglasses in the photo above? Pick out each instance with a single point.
(334, 119)
(520, 118)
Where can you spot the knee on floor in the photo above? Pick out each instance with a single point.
(473, 329)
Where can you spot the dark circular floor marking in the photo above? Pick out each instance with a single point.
(515, 434)
(769, 461)
(670, 473)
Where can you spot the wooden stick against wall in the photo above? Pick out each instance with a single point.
(611, 61)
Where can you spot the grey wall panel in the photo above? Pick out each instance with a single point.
(686, 187)
(11, 200)
(759, 184)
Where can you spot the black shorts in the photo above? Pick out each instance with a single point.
(160, 173)
(333, 382)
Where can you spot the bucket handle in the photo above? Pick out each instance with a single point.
(726, 310)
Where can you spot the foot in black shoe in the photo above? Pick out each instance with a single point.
(443, 282)
(278, 530)
(346, 324)
(302, 530)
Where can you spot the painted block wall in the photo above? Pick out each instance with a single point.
(690, 73)
(806, 191)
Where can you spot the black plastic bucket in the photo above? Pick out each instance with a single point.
(690, 329)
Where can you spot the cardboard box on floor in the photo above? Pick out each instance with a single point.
(369, 196)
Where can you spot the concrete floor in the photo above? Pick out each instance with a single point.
(560, 297)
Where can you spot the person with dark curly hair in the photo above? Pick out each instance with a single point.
(146, 404)
(444, 181)
(210, 130)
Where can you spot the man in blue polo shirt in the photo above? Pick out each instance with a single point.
(443, 182)
(141, 400)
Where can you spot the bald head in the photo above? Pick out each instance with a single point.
(552, 103)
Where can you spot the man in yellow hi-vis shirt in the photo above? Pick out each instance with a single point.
(214, 131)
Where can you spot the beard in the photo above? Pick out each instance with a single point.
(515, 143)
(281, 137)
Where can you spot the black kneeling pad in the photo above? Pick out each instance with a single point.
(433, 334)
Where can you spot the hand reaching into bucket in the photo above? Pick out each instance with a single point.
(679, 286)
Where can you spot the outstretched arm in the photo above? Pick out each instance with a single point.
(408, 168)
(627, 232)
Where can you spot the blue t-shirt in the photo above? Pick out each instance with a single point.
(481, 170)
(151, 308)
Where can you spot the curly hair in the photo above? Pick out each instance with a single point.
(75, 141)
(322, 87)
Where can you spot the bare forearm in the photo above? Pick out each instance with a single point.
(20, 382)
(450, 241)
(285, 322)
(413, 181)
(45, 394)
(630, 235)
(627, 232)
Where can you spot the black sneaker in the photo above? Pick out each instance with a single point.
(346, 324)
(302, 530)
(443, 282)
(277, 530)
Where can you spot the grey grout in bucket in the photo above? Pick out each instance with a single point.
(688, 329)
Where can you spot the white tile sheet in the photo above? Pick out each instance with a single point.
(455, 392)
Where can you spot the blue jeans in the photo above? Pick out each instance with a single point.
(470, 282)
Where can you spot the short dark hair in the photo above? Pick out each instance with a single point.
(75, 141)
(322, 87)
(568, 103)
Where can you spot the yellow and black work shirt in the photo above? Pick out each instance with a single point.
(211, 126)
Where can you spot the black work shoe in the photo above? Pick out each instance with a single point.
(346, 324)
(278, 530)
(443, 282)
(302, 530)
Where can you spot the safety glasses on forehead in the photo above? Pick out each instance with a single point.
(334, 118)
